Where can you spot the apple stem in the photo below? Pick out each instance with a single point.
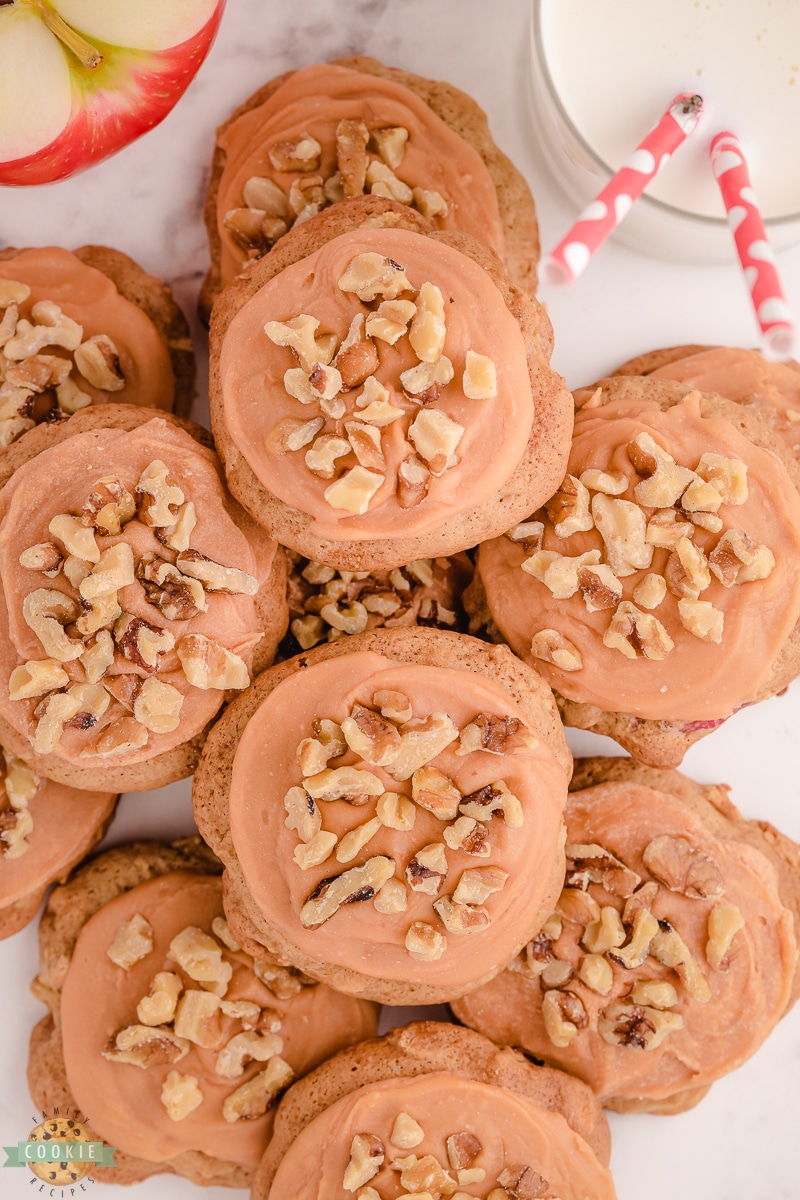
(74, 41)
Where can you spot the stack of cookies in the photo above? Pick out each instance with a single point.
(360, 615)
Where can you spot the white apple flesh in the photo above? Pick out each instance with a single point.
(80, 79)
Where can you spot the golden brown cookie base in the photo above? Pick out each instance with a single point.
(536, 476)
(155, 300)
(181, 761)
(421, 1049)
(463, 116)
(654, 360)
(211, 790)
(68, 910)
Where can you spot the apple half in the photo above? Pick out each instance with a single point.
(80, 79)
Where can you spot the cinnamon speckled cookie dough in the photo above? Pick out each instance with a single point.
(175, 1041)
(136, 594)
(379, 395)
(658, 592)
(388, 810)
(435, 1109)
(334, 131)
(672, 952)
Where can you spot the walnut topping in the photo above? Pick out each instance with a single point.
(108, 507)
(392, 897)
(243, 1048)
(669, 948)
(650, 591)
(52, 328)
(735, 559)
(132, 942)
(299, 334)
(302, 154)
(468, 835)
(600, 587)
(568, 509)
(589, 863)
(367, 1156)
(462, 1150)
(383, 182)
(574, 904)
(199, 955)
(353, 842)
(427, 870)
(559, 572)
(253, 1098)
(371, 275)
(424, 943)
(354, 490)
(522, 1182)
(637, 634)
(390, 320)
(97, 359)
(117, 738)
(394, 705)
(146, 1046)
(654, 993)
(666, 527)
(664, 481)
(496, 735)
(264, 195)
(158, 1007)
(198, 1018)
(36, 678)
(728, 476)
(529, 533)
(621, 525)
(214, 576)
(700, 497)
(460, 919)
(428, 330)
(424, 1176)
(604, 934)
(632, 955)
(351, 155)
(158, 706)
(430, 204)
(44, 557)
(177, 536)
(208, 665)
(551, 646)
(254, 230)
(421, 740)
(435, 437)
(724, 922)
(686, 573)
(357, 358)
(491, 800)
(478, 883)
(156, 498)
(13, 292)
(316, 850)
(636, 1025)
(412, 482)
(702, 619)
(432, 790)
(596, 972)
(424, 382)
(390, 142)
(359, 883)
(682, 867)
(406, 1132)
(365, 441)
(142, 643)
(564, 1016)
(611, 483)
(343, 783)
(180, 1095)
(178, 597)
(480, 377)
(74, 535)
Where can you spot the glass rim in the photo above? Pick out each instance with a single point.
(682, 214)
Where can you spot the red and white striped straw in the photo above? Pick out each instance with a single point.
(773, 314)
(600, 218)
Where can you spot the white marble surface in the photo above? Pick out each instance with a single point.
(741, 1141)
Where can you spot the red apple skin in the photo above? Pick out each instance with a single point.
(132, 92)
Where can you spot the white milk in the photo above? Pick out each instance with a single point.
(617, 64)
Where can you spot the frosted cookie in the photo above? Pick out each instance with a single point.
(435, 1110)
(161, 1028)
(671, 954)
(388, 810)
(136, 594)
(379, 395)
(659, 590)
(324, 604)
(769, 389)
(82, 328)
(330, 132)
(45, 829)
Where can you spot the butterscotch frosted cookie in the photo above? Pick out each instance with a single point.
(658, 591)
(433, 1109)
(161, 1028)
(770, 389)
(82, 328)
(136, 594)
(388, 810)
(672, 951)
(45, 829)
(379, 395)
(324, 604)
(331, 132)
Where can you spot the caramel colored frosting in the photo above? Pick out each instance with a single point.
(495, 430)
(747, 993)
(513, 1132)
(313, 101)
(58, 482)
(89, 297)
(359, 936)
(100, 998)
(697, 679)
(746, 376)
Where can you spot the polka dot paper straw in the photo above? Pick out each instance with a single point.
(755, 253)
(599, 220)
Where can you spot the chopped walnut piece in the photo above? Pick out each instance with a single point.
(367, 1156)
(551, 646)
(52, 328)
(735, 559)
(175, 595)
(424, 943)
(208, 665)
(427, 869)
(478, 883)
(429, 203)
(564, 1016)
(421, 740)
(650, 591)
(636, 1025)
(343, 783)
(434, 791)
(727, 475)
(461, 919)
(158, 706)
(253, 1098)
(132, 942)
(496, 735)
(654, 993)
(383, 182)
(325, 384)
(108, 507)
(36, 678)
(253, 230)
(435, 437)
(74, 535)
(700, 497)
(14, 292)
(589, 863)
(568, 509)
(667, 527)
(393, 705)
(142, 643)
(390, 320)
(479, 381)
(611, 483)
(158, 501)
(424, 382)
(243, 1048)
(292, 434)
(113, 571)
(321, 458)
(265, 195)
(621, 525)
(180, 1095)
(118, 738)
(357, 358)
(146, 1046)
(599, 587)
(214, 576)
(158, 1007)
(302, 154)
(528, 533)
(308, 631)
(406, 1132)
(522, 1182)
(705, 520)
(302, 814)
(686, 573)
(390, 142)
(371, 275)
(199, 955)
(604, 934)
(37, 374)
(424, 1176)
(492, 800)
(392, 897)
(365, 441)
(574, 904)
(177, 535)
(354, 490)
(354, 841)
(702, 619)
(664, 481)
(44, 557)
(632, 955)
(198, 1018)
(597, 973)
(683, 868)
(299, 334)
(669, 948)
(724, 922)
(468, 835)
(462, 1150)
(351, 155)
(559, 572)
(412, 482)
(56, 710)
(428, 330)
(351, 887)
(637, 634)
(97, 359)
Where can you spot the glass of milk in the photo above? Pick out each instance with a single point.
(604, 71)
